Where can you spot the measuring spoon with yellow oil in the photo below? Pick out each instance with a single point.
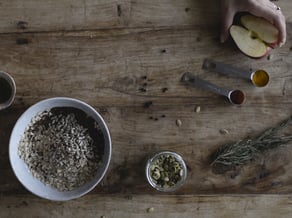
(259, 78)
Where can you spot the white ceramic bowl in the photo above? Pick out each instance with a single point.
(20, 168)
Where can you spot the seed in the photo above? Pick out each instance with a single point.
(166, 179)
(181, 172)
(156, 175)
(164, 89)
(224, 131)
(165, 186)
(150, 209)
(147, 104)
(198, 109)
(178, 122)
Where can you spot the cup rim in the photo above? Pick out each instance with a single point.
(12, 84)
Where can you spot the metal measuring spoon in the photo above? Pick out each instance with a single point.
(259, 78)
(234, 96)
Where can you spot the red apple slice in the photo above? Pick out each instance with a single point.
(248, 42)
(257, 36)
(261, 27)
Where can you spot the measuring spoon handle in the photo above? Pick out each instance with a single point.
(193, 80)
(225, 69)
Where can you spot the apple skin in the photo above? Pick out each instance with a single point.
(256, 38)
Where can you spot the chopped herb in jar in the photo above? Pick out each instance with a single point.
(166, 171)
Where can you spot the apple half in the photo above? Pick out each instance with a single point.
(256, 37)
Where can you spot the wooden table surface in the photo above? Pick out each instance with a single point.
(126, 58)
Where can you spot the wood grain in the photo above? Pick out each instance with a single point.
(126, 59)
(35, 16)
(72, 15)
(109, 73)
(136, 206)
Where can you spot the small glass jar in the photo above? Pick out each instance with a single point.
(151, 163)
(7, 90)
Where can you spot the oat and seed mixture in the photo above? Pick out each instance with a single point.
(62, 148)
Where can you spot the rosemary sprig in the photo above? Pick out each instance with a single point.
(245, 150)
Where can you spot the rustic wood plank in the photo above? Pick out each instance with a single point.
(137, 56)
(121, 206)
(133, 131)
(32, 15)
(54, 15)
(19, 16)
(108, 69)
(114, 66)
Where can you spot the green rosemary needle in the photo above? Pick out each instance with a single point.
(245, 150)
